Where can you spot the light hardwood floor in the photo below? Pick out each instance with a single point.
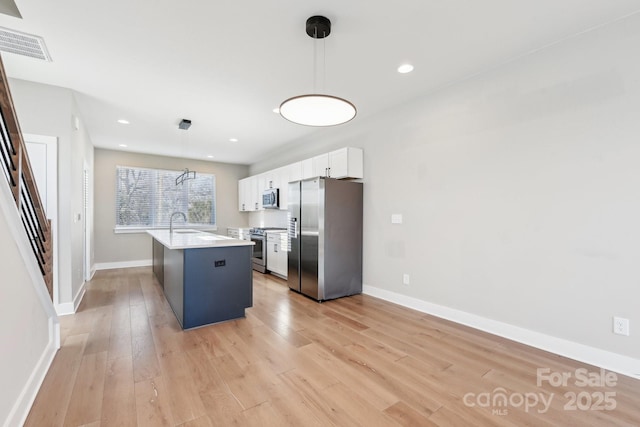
(356, 361)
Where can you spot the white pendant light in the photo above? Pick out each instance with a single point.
(318, 109)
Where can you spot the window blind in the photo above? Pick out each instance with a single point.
(146, 198)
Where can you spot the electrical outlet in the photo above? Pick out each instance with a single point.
(621, 326)
(405, 279)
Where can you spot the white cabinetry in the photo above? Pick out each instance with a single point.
(277, 253)
(295, 172)
(239, 233)
(346, 163)
(343, 163)
(243, 193)
(321, 165)
(247, 194)
(268, 180)
(307, 168)
(285, 175)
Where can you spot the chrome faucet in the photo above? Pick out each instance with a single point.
(171, 220)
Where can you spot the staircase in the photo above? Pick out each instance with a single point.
(16, 169)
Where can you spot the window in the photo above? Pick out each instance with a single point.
(146, 198)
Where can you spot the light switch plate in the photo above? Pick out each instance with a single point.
(396, 218)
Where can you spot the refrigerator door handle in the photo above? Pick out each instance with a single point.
(293, 228)
(292, 233)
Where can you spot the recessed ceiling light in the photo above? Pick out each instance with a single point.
(233, 139)
(123, 121)
(122, 145)
(209, 156)
(405, 68)
(276, 110)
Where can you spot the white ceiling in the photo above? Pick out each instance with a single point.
(226, 64)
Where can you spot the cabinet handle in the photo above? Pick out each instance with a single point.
(329, 172)
(256, 206)
(275, 248)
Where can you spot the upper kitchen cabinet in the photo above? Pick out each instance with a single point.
(269, 180)
(346, 162)
(248, 194)
(287, 174)
(320, 165)
(343, 163)
(307, 169)
(294, 172)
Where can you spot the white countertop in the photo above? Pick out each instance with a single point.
(284, 230)
(186, 238)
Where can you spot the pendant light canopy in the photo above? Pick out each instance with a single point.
(317, 109)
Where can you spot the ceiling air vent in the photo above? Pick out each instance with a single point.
(13, 41)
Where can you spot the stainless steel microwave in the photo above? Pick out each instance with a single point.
(271, 199)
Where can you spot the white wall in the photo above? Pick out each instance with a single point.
(135, 248)
(520, 190)
(28, 323)
(50, 110)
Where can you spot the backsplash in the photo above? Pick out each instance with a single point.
(268, 218)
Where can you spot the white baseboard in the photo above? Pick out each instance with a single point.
(71, 307)
(123, 264)
(594, 356)
(20, 411)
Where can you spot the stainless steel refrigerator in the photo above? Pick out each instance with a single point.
(325, 231)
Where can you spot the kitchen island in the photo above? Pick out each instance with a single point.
(207, 278)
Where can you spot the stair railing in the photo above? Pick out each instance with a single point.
(18, 173)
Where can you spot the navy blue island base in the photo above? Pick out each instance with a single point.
(205, 285)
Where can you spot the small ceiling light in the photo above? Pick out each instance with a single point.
(405, 68)
(122, 145)
(184, 124)
(276, 110)
(233, 139)
(209, 156)
(123, 121)
(317, 109)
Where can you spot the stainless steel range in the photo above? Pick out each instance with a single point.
(259, 237)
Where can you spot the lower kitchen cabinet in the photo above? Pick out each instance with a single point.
(205, 285)
(277, 253)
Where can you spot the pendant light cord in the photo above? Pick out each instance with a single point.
(315, 60)
(324, 63)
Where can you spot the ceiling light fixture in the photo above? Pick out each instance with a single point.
(123, 121)
(233, 139)
(405, 68)
(122, 145)
(317, 109)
